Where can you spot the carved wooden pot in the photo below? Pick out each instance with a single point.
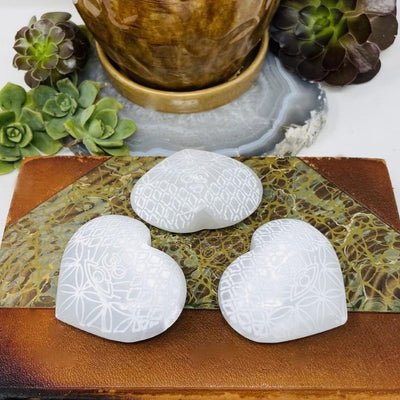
(177, 44)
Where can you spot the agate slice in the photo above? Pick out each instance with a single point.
(279, 115)
(194, 190)
(113, 284)
(288, 286)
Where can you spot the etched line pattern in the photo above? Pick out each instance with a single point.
(368, 249)
(288, 286)
(193, 190)
(113, 284)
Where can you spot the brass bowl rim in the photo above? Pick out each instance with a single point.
(220, 90)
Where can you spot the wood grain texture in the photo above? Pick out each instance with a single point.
(201, 357)
(199, 353)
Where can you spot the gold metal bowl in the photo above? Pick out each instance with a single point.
(190, 101)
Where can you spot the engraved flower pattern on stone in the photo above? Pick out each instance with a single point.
(115, 285)
(289, 285)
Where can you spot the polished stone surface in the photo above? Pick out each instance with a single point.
(288, 286)
(279, 115)
(194, 190)
(113, 284)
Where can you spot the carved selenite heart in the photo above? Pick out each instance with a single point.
(113, 284)
(194, 190)
(288, 286)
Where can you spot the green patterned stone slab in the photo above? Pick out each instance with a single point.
(368, 249)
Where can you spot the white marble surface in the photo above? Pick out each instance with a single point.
(362, 121)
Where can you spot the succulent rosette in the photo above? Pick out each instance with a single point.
(56, 112)
(73, 111)
(337, 41)
(68, 101)
(100, 130)
(50, 49)
(22, 130)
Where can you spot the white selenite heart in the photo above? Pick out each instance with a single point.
(113, 284)
(194, 190)
(288, 286)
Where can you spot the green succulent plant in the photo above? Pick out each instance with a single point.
(73, 111)
(337, 41)
(50, 49)
(68, 101)
(100, 130)
(22, 130)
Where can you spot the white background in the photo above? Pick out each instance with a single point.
(363, 120)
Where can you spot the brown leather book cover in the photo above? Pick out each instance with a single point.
(200, 356)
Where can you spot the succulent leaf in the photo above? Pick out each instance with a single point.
(92, 147)
(65, 67)
(55, 128)
(96, 129)
(20, 62)
(108, 103)
(99, 129)
(347, 72)
(124, 129)
(43, 26)
(6, 167)
(15, 135)
(108, 118)
(384, 30)
(66, 50)
(6, 118)
(57, 17)
(378, 7)
(29, 151)
(21, 32)
(360, 28)
(74, 129)
(30, 80)
(334, 57)
(39, 73)
(118, 151)
(32, 35)
(65, 103)
(43, 142)
(32, 118)
(60, 106)
(57, 35)
(363, 57)
(50, 49)
(41, 95)
(12, 98)
(338, 41)
(20, 134)
(50, 62)
(367, 76)
(22, 128)
(109, 143)
(67, 87)
(9, 154)
(35, 122)
(88, 92)
(83, 116)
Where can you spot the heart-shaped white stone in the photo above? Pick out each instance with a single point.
(288, 286)
(113, 284)
(194, 190)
